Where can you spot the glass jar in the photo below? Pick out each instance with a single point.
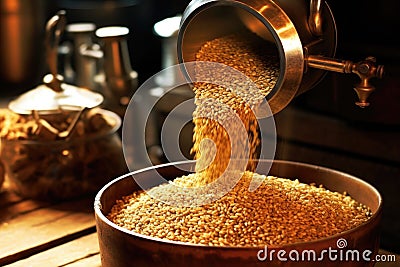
(64, 169)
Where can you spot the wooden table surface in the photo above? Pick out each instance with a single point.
(34, 233)
(41, 234)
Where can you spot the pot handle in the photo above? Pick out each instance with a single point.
(315, 18)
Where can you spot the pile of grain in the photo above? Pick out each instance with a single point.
(279, 212)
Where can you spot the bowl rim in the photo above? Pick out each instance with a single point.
(98, 209)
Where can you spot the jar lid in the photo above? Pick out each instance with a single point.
(46, 100)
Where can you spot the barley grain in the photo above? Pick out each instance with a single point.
(270, 215)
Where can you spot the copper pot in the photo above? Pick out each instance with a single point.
(120, 247)
(304, 33)
(295, 27)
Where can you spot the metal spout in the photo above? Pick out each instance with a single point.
(365, 69)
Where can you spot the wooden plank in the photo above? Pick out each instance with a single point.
(19, 208)
(83, 251)
(40, 229)
(12, 205)
(93, 261)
